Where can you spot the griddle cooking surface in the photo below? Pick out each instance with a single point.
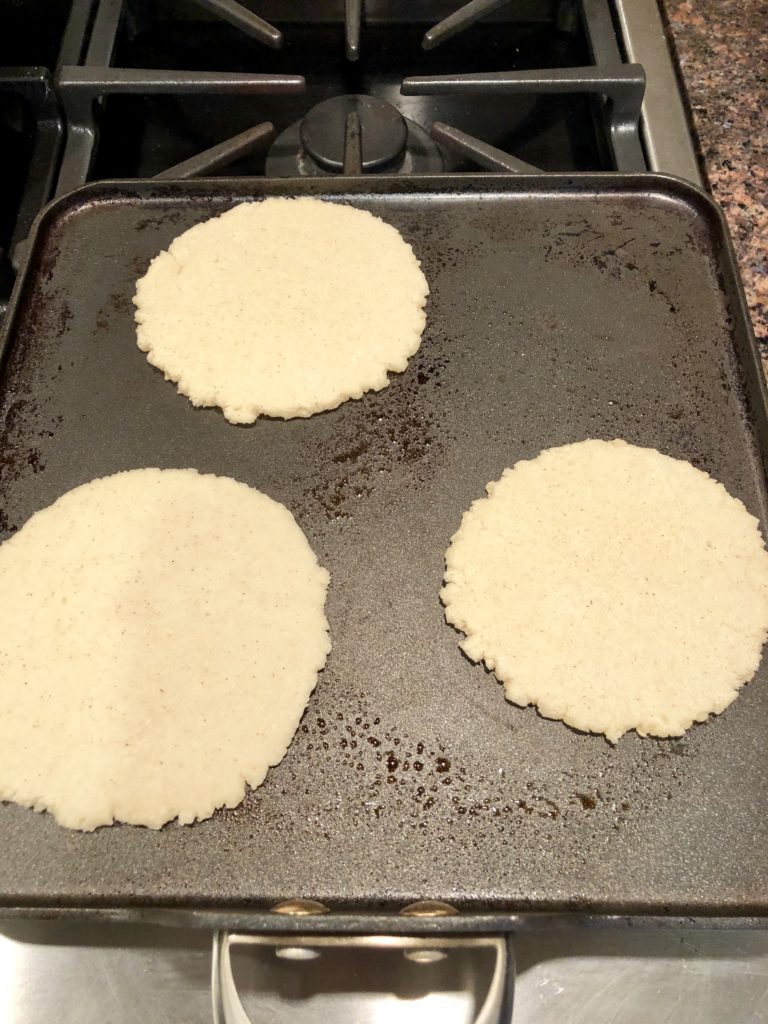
(559, 310)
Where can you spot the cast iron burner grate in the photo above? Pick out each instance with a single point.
(182, 88)
(428, 138)
(30, 136)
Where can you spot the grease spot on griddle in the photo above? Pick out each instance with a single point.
(397, 430)
(120, 302)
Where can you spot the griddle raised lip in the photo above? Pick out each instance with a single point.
(236, 915)
(351, 922)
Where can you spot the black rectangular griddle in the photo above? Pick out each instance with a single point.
(560, 309)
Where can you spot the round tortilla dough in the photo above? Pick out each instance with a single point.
(283, 307)
(162, 634)
(612, 586)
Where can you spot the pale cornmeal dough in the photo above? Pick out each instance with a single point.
(162, 633)
(283, 307)
(612, 586)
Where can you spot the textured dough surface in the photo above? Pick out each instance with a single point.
(162, 634)
(283, 307)
(614, 587)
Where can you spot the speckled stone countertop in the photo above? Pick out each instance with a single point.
(722, 48)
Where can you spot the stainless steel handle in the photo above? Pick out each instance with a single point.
(494, 991)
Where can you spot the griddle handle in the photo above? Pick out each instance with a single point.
(421, 950)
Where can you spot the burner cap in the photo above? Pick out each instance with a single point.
(383, 131)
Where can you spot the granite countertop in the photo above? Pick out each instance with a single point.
(722, 49)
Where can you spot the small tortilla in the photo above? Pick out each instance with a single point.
(283, 307)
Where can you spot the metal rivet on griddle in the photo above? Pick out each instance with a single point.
(299, 908)
(296, 953)
(428, 908)
(425, 956)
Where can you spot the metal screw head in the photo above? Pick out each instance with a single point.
(428, 908)
(299, 908)
(296, 953)
(425, 956)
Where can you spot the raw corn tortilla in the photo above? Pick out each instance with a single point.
(613, 587)
(162, 634)
(283, 307)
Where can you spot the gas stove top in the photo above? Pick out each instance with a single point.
(175, 88)
(99, 89)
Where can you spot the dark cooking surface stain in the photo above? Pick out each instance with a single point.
(399, 428)
(25, 429)
(373, 776)
(577, 241)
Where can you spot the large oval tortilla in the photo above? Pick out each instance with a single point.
(162, 634)
(283, 307)
(612, 586)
